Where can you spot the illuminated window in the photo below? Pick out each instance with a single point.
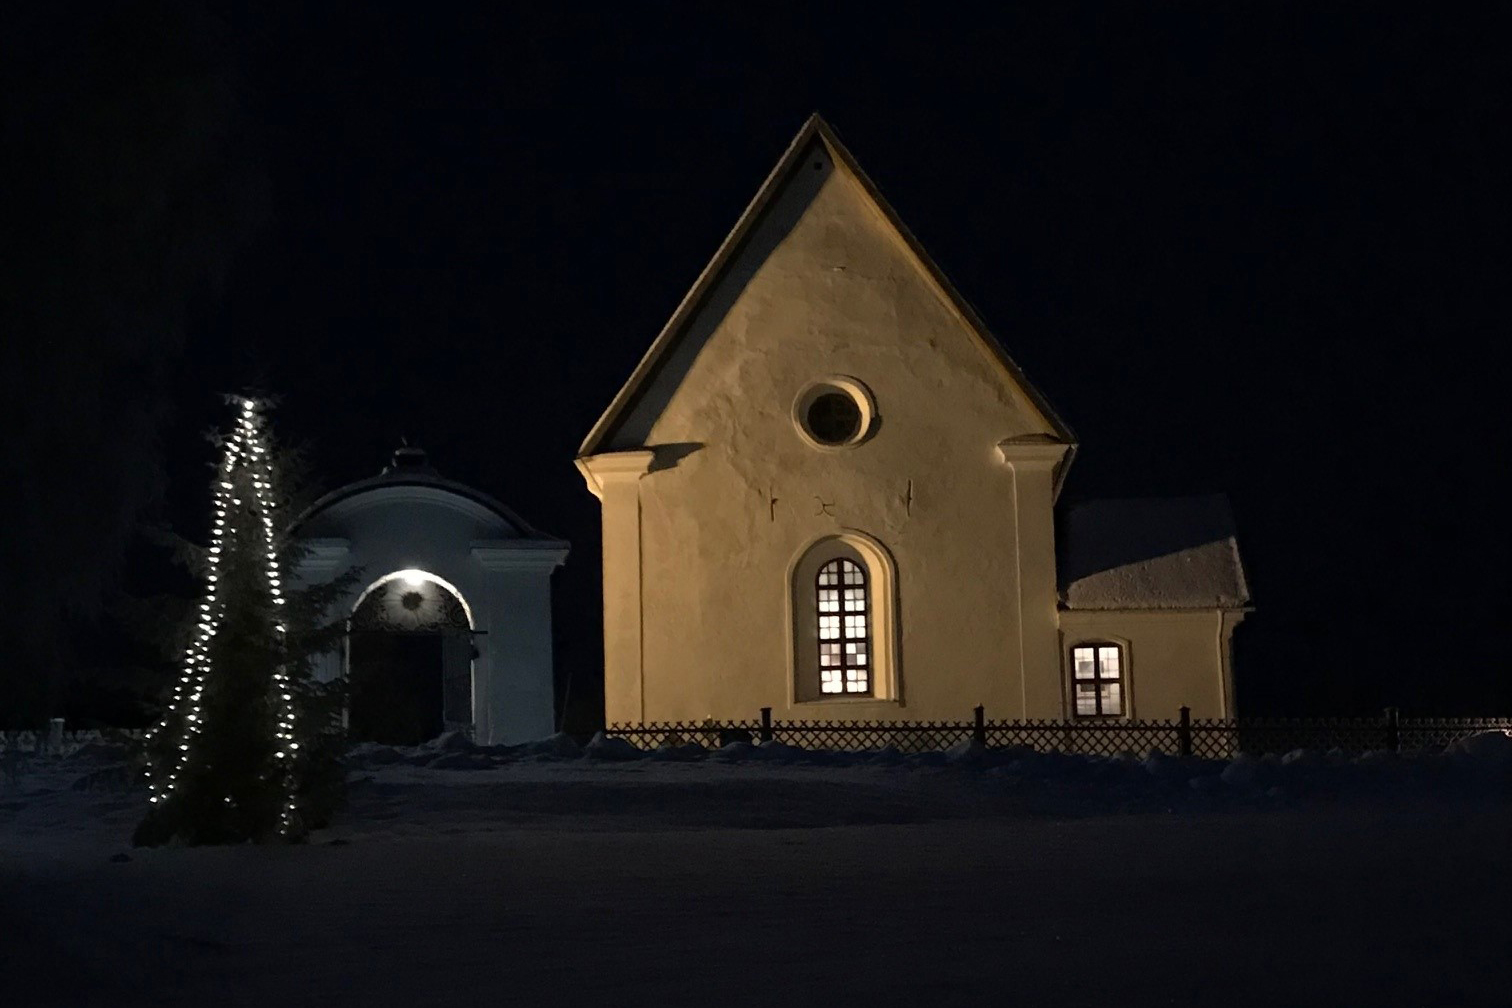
(844, 633)
(843, 606)
(1097, 684)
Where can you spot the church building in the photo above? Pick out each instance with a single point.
(828, 490)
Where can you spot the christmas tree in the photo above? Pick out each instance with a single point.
(246, 749)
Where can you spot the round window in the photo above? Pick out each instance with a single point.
(835, 413)
(833, 418)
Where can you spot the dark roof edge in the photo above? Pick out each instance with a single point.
(814, 127)
(380, 482)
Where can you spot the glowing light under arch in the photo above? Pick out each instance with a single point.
(414, 577)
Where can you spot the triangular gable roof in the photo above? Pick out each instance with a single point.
(815, 128)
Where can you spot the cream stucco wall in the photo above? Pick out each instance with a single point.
(712, 497)
(1172, 658)
(713, 494)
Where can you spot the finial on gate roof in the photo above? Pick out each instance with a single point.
(409, 459)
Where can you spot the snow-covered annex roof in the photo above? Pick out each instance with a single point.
(1151, 553)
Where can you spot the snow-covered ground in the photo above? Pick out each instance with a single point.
(787, 878)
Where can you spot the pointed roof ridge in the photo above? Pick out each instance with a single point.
(814, 127)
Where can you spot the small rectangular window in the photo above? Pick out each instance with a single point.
(1097, 673)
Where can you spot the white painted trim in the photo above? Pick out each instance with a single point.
(323, 556)
(1126, 664)
(1228, 622)
(1046, 453)
(472, 624)
(415, 572)
(846, 385)
(524, 557)
(598, 469)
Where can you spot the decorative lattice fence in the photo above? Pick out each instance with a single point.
(1183, 736)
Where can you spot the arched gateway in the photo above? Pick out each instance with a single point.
(453, 627)
(409, 660)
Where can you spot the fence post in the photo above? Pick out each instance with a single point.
(1184, 731)
(1393, 734)
(979, 726)
(766, 724)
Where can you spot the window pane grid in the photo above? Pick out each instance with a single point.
(844, 637)
(1097, 689)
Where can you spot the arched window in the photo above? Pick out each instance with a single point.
(844, 614)
(843, 607)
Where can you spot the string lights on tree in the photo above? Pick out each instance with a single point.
(223, 761)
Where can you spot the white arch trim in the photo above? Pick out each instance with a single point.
(414, 575)
(882, 578)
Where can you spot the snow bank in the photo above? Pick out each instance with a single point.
(687, 752)
(560, 745)
(610, 747)
(1128, 779)
(1490, 749)
(452, 741)
(1064, 782)
(670, 883)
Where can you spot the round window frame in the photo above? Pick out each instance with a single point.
(847, 386)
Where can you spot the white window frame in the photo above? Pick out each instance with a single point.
(845, 628)
(881, 610)
(1098, 646)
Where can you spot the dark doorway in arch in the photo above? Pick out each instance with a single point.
(409, 664)
(396, 688)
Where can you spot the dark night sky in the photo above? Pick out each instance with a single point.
(1262, 253)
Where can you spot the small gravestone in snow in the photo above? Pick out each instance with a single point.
(560, 745)
(1241, 773)
(611, 747)
(452, 741)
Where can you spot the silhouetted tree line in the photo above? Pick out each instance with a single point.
(125, 199)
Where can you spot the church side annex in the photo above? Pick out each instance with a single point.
(827, 489)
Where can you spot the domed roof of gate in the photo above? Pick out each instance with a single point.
(410, 466)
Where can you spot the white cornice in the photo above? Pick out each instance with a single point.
(323, 556)
(520, 554)
(611, 466)
(1046, 453)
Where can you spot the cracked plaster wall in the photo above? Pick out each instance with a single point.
(825, 286)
